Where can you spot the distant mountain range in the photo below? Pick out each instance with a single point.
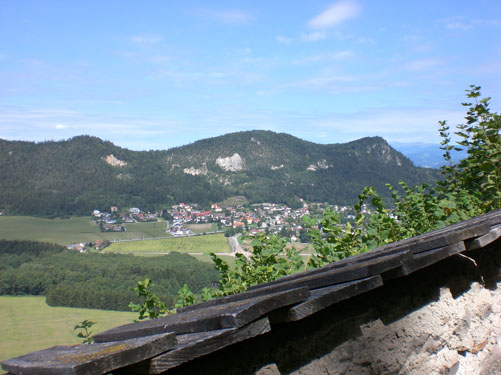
(427, 155)
(83, 173)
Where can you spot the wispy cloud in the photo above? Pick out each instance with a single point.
(313, 36)
(456, 25)
(423, 64)
(334, 56)
(146, 39)
(226, 16)
(38, 125)
(33, 62)
(330, 82)
(159, 59)
(404, 125)
(283, 39)
(335, 14)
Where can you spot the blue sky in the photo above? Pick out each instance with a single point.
(158, 74)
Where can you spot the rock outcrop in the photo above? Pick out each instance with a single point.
(231, 163)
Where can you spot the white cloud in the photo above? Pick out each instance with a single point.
(458, 26)
(335, 14)
(267, 92)
(283, 39)
(314, 36)
(226, 16)
(359, 39)
(146, 39)
(132, 132)
(402, 125)
(410, 38)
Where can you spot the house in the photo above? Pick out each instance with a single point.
(216, 208)
(429, 304)
(134, 211)
(113, 209)
(238, 224)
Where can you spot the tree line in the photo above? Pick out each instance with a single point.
(92, 280)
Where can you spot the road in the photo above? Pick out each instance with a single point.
(236, 248)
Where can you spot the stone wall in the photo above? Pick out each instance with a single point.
(448, 336)
(444, 319)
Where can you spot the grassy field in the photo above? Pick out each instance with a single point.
(197, 244)
(201, 228)
(73, 230)
(27, 324)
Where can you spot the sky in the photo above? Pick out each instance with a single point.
(159, 74)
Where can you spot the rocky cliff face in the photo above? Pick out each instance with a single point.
(232, 163)
(114, 162)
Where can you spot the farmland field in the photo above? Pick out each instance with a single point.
(73, 230)
(196, 244)
(201, 228)
(28, 324)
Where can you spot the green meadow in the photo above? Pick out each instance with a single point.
(72, 230)
(27, 324)
(213, 243)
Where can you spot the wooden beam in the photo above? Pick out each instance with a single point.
(230, 315)
(194, 345)
(486, 239)
(325, 297)
(90, 359)
(425, 259)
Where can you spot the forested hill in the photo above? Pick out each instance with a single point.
(83, 173)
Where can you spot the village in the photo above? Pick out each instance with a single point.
(270, 218)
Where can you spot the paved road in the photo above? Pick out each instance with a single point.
(236, 248)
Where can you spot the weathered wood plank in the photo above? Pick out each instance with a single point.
(230, 315)
(317, 278)
(425, 259)
(194, 345)
(375, 264)
(486, 239)
(325, 297)
(325, 276)
(89, 359)
(443, 237)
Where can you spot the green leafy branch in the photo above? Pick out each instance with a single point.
(85, 332)
(152, 307)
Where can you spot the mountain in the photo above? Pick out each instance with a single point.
(427, 155)
(83, 173)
